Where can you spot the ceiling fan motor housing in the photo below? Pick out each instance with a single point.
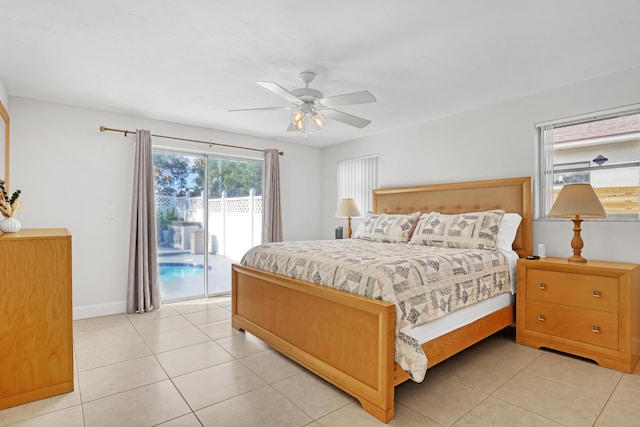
(307, 94)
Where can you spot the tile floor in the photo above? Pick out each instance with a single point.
(185, 366)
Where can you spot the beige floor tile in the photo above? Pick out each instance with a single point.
(353, 415)
(438, 370)
(243, 345)
(617, 415)
(154, 327)
(114, 352)
(263, 407)
(577, 373)
(192, 306)
(193, 358)
(312, 394)
(40, 407)
(111, 379)
(223, 301)
(217, 330)
(217, 383)
(628, 391)
(496, 413)
(101, 322)
(271, 366)
(438, 398)
(176, 339)
(145, 406)
(502, 350)
(104, 336)
(560, 403)
(478, 374)
(69, 417)
(208, 316)
(165, 311)
(189, 420)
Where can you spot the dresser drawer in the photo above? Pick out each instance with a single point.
(579, 290)
(578, 324)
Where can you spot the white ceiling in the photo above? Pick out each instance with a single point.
(190, 61)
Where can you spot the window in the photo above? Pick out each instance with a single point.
(601, 149)
(357, 178)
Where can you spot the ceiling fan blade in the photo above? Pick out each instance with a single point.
(260, 109)
(281, 92)
(340, 116)
(291, 128)
(361, 97)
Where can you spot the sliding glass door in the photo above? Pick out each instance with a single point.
(235, 214)
(208, 215)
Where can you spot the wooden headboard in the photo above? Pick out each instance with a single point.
(510, 195)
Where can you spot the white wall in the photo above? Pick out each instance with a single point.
(4, 96)
(70, 172)
(496, 142)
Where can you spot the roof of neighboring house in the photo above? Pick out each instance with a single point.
(601, 128)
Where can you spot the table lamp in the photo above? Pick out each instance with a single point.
(577, 201)
(347, 208)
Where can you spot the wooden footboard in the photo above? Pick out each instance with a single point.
(346, 339)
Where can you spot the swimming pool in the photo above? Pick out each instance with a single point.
(179, 270)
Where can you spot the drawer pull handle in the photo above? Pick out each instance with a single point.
(542, 286)
(541, 317)
(597, 293)
(595, 329)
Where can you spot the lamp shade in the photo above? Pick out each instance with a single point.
(347, 208)
(577, 199)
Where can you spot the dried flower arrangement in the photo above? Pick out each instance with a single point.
(8, 206)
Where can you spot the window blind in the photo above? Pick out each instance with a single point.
(357, 178)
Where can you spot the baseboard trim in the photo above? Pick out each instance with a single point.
(87, 311)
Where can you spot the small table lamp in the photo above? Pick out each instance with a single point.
(347, 208)
(575, 201)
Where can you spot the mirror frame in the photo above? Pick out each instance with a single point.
(5, 117)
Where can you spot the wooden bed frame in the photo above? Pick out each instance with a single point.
(348, 339)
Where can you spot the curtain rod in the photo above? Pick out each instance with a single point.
(127, 132)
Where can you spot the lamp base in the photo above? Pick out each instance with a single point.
(577, 243)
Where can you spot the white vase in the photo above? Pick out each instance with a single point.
(10, 225)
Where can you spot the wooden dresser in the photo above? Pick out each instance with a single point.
(590, 310)
(36, 330)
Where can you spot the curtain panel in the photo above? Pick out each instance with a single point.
(143, 291)
(271, 207)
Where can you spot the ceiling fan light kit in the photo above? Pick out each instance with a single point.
(310, 105)
(297, 119)
(318, 121)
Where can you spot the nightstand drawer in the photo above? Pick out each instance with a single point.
(575, 289)
(578, 324)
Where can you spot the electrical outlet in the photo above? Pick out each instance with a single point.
(111, 212)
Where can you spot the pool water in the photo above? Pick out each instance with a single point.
(177, 271)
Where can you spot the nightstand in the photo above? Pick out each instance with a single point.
(590, 310)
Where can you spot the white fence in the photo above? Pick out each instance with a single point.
(235, 223)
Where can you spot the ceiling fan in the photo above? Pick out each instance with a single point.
(310, 106)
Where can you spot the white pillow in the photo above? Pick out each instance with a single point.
(508, 229)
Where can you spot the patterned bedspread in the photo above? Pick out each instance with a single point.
(424, 282)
